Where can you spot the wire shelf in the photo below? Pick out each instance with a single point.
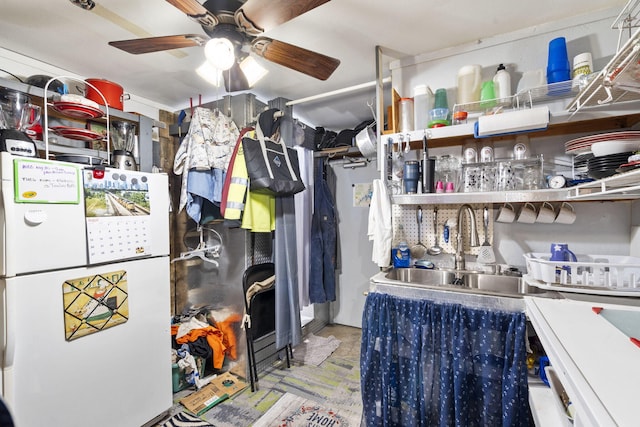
(624, 185)
(628, 16)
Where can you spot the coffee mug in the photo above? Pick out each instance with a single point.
(506, 213)
(561, 252)
(546, 214)
(566, 214)
(527, 214)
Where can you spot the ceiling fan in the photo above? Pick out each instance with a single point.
(242, 24)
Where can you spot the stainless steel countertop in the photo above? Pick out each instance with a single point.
(450, 294)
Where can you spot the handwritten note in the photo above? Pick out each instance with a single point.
(41, 181)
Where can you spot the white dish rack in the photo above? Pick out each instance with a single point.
(593, 271)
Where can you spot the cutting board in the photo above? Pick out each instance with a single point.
(628, 322)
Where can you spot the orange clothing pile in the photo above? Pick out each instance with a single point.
(222, 339)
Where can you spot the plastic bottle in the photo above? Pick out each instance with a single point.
(422, 103)
(401, 256)
(502, 83)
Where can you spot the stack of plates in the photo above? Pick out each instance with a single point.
(604, 166)
(629, 167)
(77, 110)
(76, 133)
(580, 167)
(607, 143)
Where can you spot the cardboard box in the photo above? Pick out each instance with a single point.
(219, 389)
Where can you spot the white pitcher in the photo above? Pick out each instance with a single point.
(469, 83)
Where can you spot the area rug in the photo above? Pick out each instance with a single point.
(295, 411)
(335, 384)
(314, 349)
(182, 419)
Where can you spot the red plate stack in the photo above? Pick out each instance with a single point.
(77, 110)
(583, 145)
(76, 133)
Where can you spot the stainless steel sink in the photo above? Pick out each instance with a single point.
(499, 284)
(468, 281)
(422, 276)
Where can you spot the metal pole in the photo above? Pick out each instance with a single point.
(335, 92)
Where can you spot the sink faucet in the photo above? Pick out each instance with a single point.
(473, 238)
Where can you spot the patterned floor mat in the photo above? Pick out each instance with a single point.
(295, 411)
(314, 349)
(334, 385)
(182, 419)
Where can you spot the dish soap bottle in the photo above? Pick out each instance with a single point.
(401, 256)
(502, 83)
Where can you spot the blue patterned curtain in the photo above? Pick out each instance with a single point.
(437, 364)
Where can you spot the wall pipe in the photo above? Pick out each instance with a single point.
(336, 92)
(380, 112)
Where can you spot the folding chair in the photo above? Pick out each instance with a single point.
(261, 321)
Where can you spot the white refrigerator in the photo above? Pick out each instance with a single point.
(85, 299)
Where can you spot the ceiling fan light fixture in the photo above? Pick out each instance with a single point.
(252, 70)
(220, 53)
(209, 73)
(84, 4)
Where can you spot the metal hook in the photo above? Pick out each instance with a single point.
(370, 105)
(609, 97)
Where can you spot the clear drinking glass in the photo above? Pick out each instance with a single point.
(487, 180)
(506, 177)
(471, 179)
(531, 177)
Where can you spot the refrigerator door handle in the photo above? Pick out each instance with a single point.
(9, 322)
(9, 218)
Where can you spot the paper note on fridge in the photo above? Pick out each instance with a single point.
(41, 181)
(512, 122)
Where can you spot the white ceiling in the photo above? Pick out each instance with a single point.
(66, 36)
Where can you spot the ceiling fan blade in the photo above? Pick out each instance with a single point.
(157, 44)
(257, 16)
(196, 12)
(234, 79)
(305, 61)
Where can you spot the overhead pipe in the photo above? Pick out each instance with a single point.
(336, 92)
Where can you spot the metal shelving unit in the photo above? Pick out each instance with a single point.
(546, 195)
(619, 80)
(47, 104)
(605, 87)
(524, 99)
(623, 186)
(145, 125)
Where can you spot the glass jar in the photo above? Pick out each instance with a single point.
(448, 172)
(486, 151)
(405, 118)
(460, 117)
(470, 152)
